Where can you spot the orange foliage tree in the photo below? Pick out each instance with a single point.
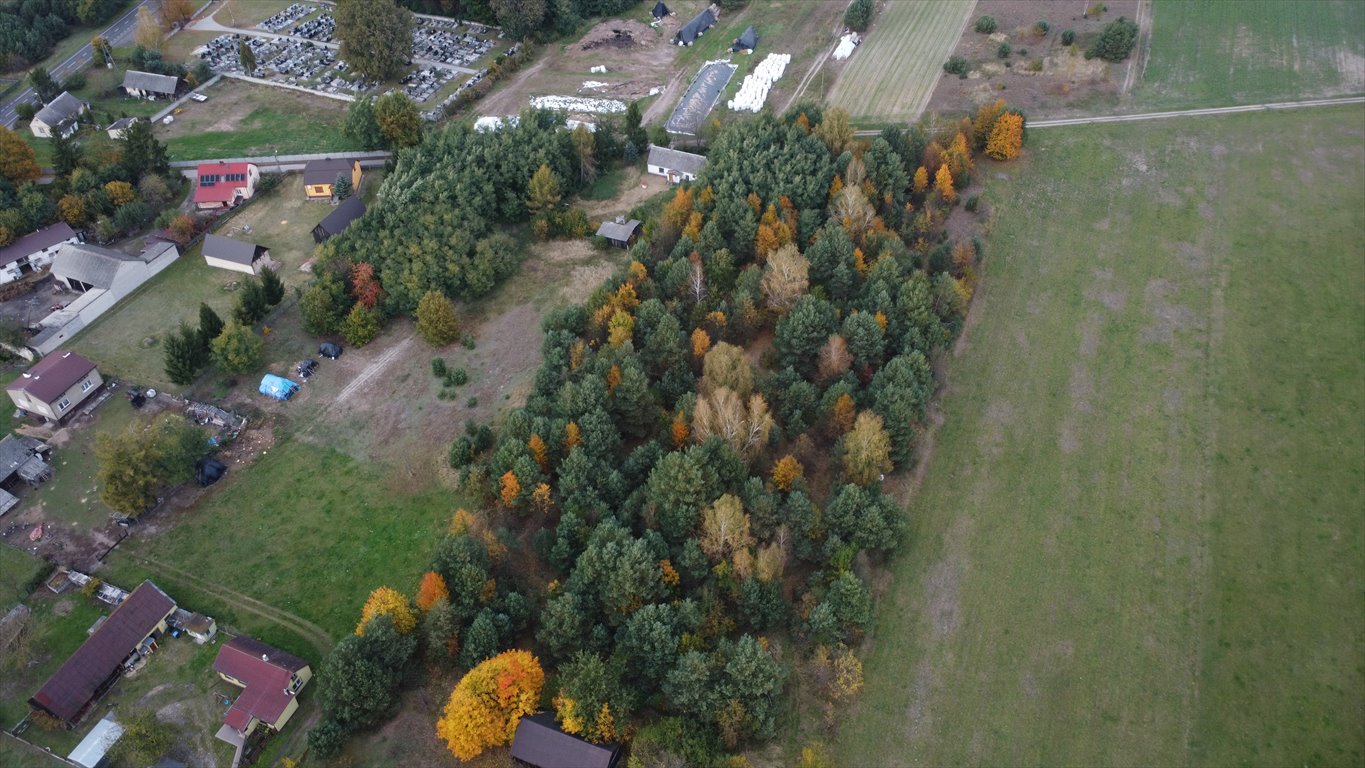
(921, 182)
(386, 600)
(538, 450)
(433, 588)
(511, 488)
(943, 182)
(364, 285)
(1007, 138)
(786, 471)
(701, 342)
(572, 435)
(681, 429)
(489, 702)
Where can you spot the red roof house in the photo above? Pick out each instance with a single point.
(94, 668)
(271, 680)
(224, 185)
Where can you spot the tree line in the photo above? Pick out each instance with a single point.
(683, 515)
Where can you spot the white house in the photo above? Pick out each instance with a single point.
(674, 165)
(120, 126)
(55, 385)
(102, 278)
(236, 255)
(149, 85)
(34, 251)
(58, 117)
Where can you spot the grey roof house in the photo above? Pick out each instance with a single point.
(620, 233)
(540, 742)
(236, 255)
(102, 277)
(149, 85)
(674, 165)
(117, 128)
(338, 220)
(34, 251)
(58, 117)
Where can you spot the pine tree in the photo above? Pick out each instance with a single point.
(210, 325)
(341, 187)
(272, 287)
(182, 355)
(237, 349)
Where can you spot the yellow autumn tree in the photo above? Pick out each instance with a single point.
(943, 182)
(510, 488)
(701, 342)
(621, 328)
(541, 500)
(538, 450)
(120, 192)
(786, 471)
(572, 435)
(433, 588)
(386, 600)
(867, 450)
(921, 182)
(986, 117)
(489, 702)
(1007, 137)
(613, 378)
(843, 412)
(680, 429)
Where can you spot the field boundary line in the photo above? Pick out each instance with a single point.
(372, 370)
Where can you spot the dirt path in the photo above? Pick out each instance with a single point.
(372, 370)
(660, 105)
(493, 104)
(307, 629)
(1138, 64)
(815, 67)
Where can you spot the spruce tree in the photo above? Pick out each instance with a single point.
(272, 287)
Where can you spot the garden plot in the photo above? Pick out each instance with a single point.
(701, 96)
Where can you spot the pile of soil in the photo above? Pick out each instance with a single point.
(620, 34)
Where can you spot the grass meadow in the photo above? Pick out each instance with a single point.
(890, 77)
(1140, 539)
(1204, 56)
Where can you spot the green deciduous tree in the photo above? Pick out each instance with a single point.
(137, 462)
(361, 325)
(1115, 42)
(145, 739)
(437, 321)
(398, 119)
(141, 152)
(858, 15)
(238, 349)
(362, 125)
(376, 37)
(18, 163)
(323, 305)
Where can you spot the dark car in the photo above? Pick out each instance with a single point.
(306, 368)
(329, 350)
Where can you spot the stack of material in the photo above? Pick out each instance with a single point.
(846, 45)
(754, 90)
(578, 104)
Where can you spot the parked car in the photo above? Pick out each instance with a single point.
(199, 97)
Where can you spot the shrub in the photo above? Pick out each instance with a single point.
(1116, 41)
(438, 367)
(472, 402)
(1041, 27)
(985, 25)
(1023, 51)
(462, 452)
(1069, 37)
(1095, 10)
(1035, 66)
(457, 378)
(956, 65)
(973, 202)
(1003, 51)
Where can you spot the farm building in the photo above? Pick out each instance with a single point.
(122, 640)
(236, 255)
(337, 221)
(34, 251)
(148, 85)
(102, 278)
(59, 117)
(674, 165)
(320, 175)
(96, 744)
(695, 28)
(119, 127)
(620, 233)
(225, 185)
(540, 742)
(21, 458)
(55, 385)
(745, 42)
(660, 10)
(271, 680)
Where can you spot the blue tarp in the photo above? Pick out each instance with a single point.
(278, 387)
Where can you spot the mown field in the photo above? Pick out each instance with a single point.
(243, 119)
(1140, 537)
(890, 77)
(1202, 55)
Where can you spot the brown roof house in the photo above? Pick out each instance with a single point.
(121, 641)
(320, 175)
(55, 385)
(270, 680)
(236, 255)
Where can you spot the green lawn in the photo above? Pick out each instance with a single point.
(307, 529)
(71, 497)
(282, 220)
(243, 119)
(1203, 56)
(16, 568)
(1140, 539)
(7, 420)
(55, 629)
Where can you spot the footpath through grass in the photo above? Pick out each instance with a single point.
(1140, 539)
(1213, 54)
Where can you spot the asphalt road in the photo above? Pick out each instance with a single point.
(118, 33)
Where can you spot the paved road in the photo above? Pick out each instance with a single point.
(118, 33)
(1178, 113)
